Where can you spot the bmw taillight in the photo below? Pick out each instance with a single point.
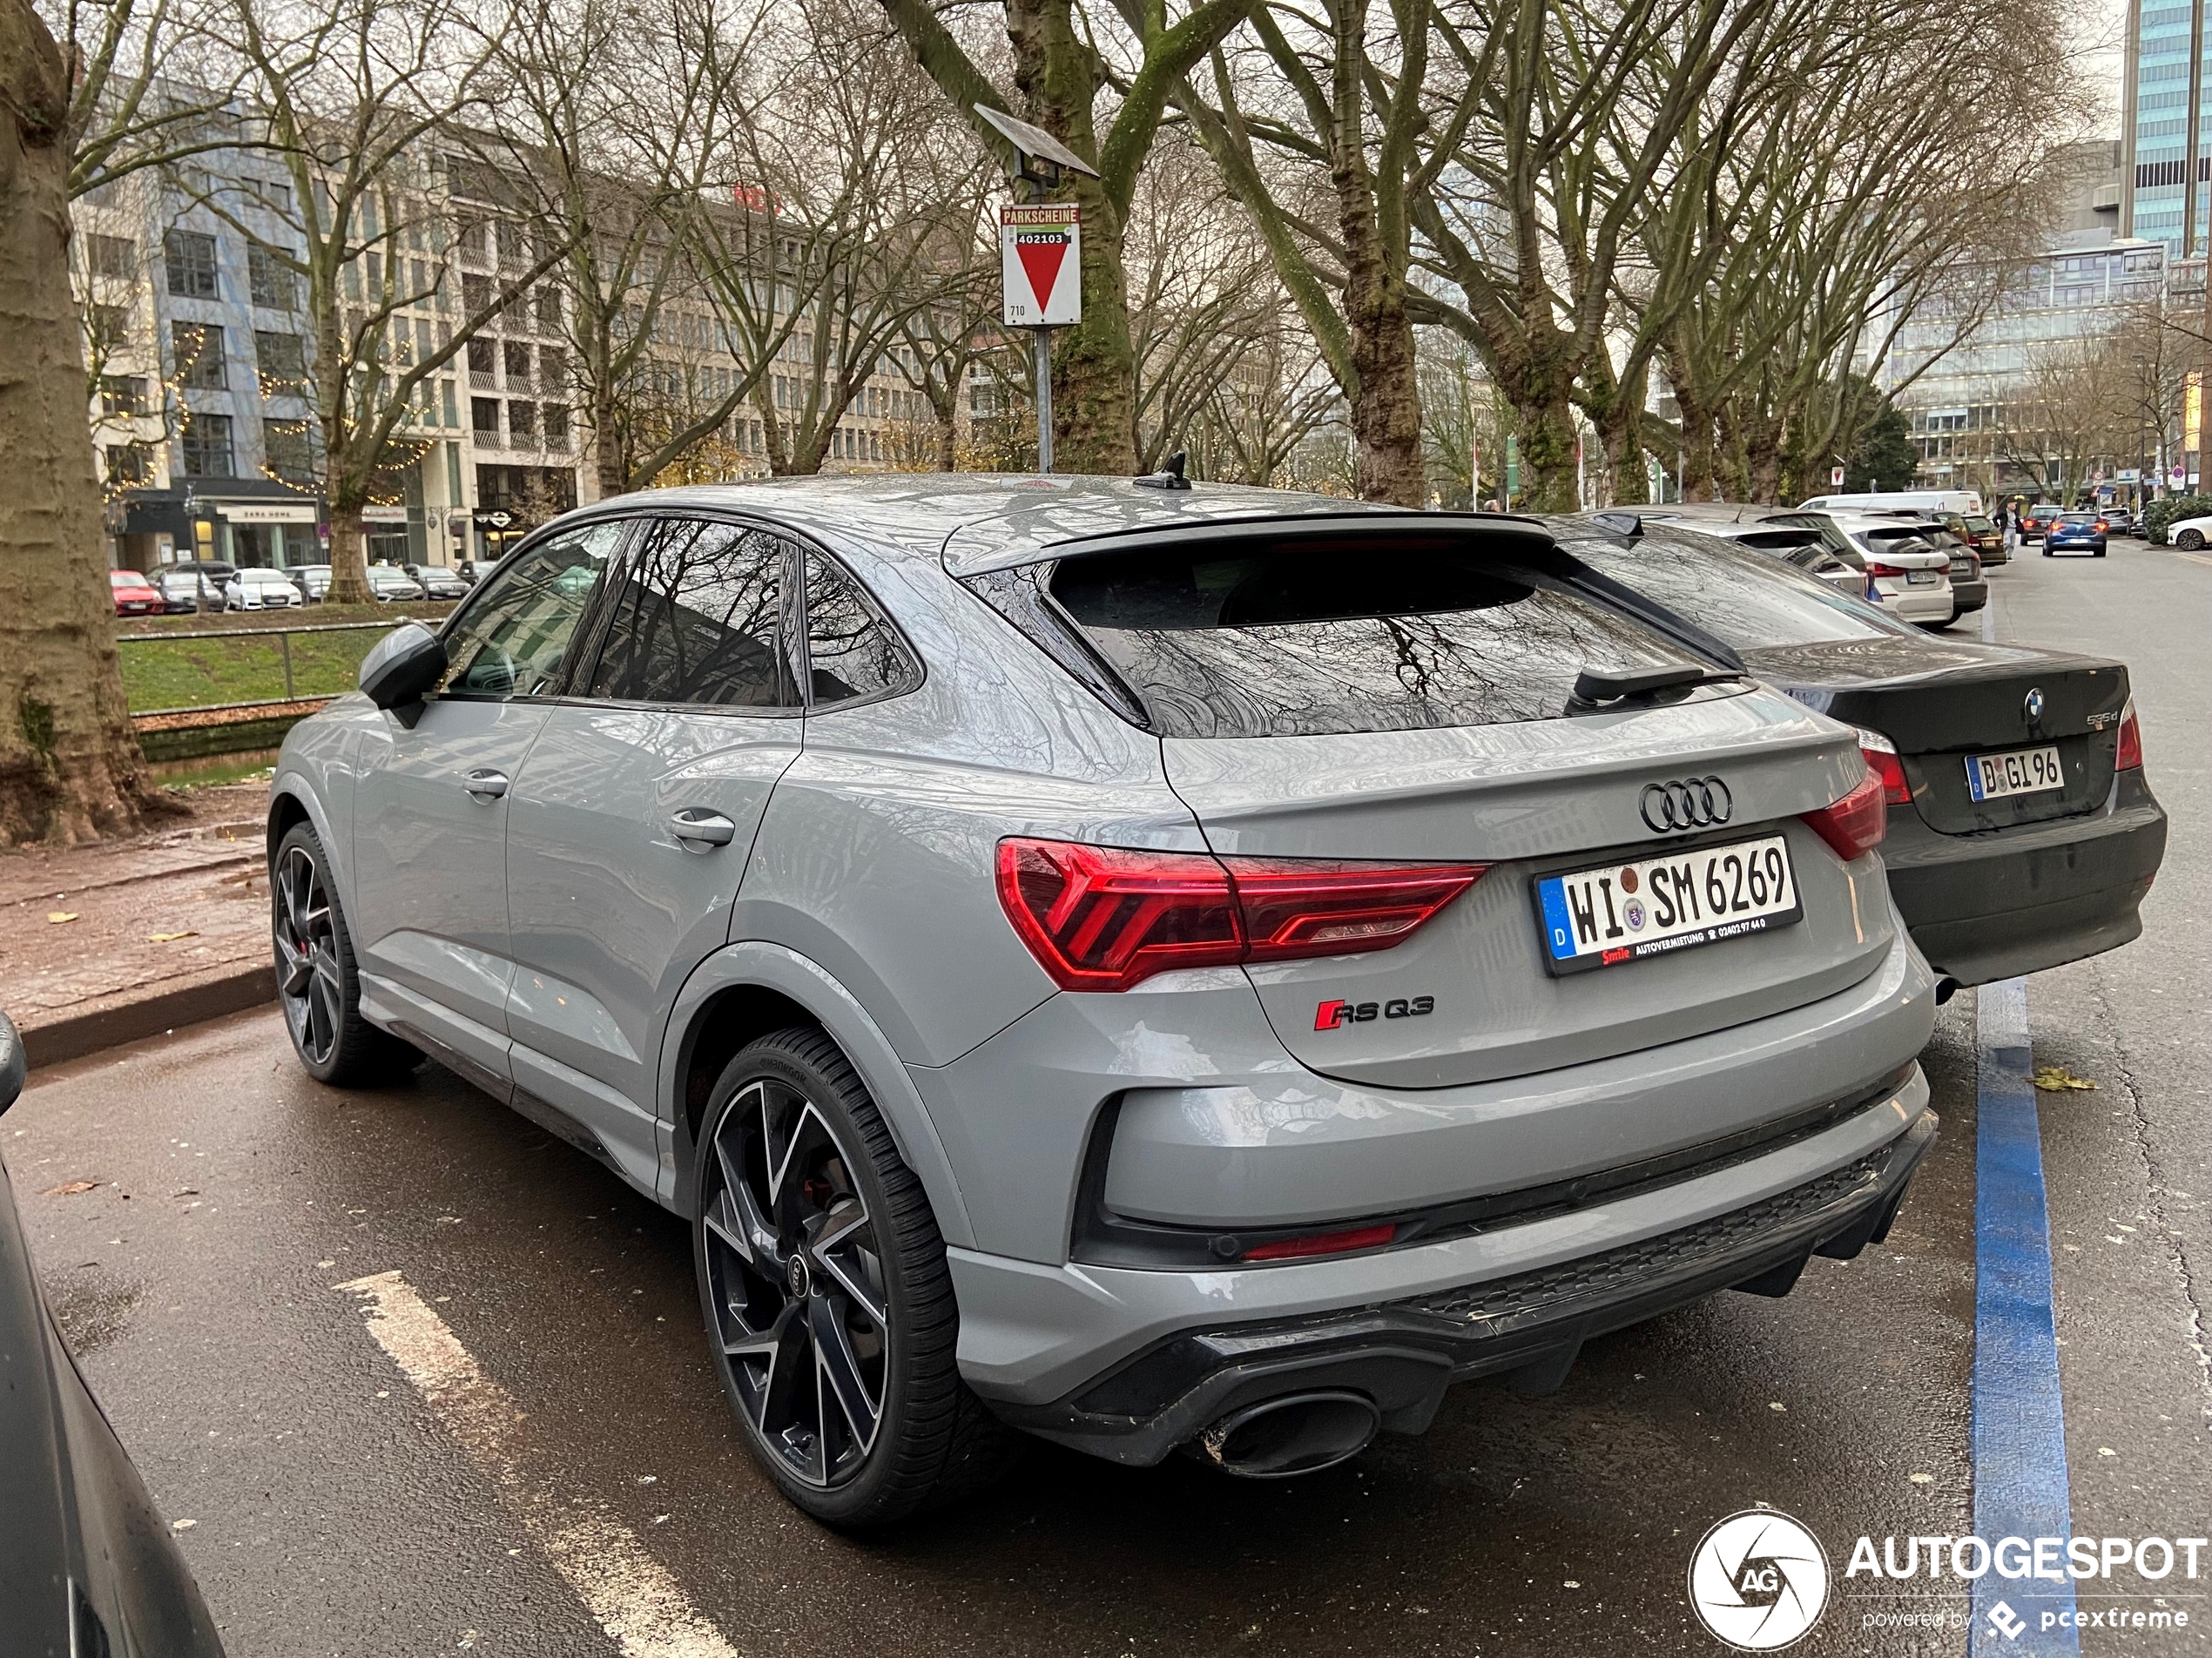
(1880, 755)
(1855, 824)
(2130, 757)
(1104, 918)
(1876, 568)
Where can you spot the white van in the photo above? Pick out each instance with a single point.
(1964, 502)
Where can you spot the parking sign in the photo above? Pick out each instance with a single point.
(1041, 259)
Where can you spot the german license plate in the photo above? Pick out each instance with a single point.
(1919, 578)
(1620, 913)
(2024, 771)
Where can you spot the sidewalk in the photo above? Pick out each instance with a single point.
(163, 930)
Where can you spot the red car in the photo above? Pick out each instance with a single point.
(134, 595)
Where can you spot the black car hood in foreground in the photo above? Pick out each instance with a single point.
(1939, 700)
(86, 1566)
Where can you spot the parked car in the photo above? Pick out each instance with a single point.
(1565, 948)
(437, 581)
(2022, 831)
(1969, 590)
(312, 580)
(1798, 546)
(2076, 532)
(184, 590)
(1977, 532)
(261, 590)
(1938, 501)
(390, 585)
(134, 595)
(2119, 521)
(90, 1566)
(2038, 519)
(2190, 534)
(1910, 577)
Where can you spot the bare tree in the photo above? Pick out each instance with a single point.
(70, 766)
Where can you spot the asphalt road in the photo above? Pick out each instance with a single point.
(337, 1506)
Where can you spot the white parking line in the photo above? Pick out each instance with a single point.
(630, 1593)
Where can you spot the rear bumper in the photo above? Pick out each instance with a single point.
(1992, 905)
(1516, 1304)
(1910, 603)
(1968, 596)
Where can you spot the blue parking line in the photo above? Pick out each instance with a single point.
(2019, 1440)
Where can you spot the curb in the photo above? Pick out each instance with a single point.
(82, 1034)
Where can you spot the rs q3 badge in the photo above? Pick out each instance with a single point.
(1333, 1015)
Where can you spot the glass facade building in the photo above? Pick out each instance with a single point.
(2158, 110)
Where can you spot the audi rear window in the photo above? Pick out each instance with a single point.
(1303, 638)
(1738, 596)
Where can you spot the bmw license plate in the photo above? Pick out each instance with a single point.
(1601, 918)
(1919, 578)
(2024, 771)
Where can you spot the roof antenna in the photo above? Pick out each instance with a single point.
(1168, 478)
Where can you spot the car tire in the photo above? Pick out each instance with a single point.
(871, 1312)
(318, 979)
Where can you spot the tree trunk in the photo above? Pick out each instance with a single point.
(1620, 429)
(70, 765)
(348, 553)
(947, 441)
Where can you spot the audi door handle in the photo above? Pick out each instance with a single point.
(698, 829)
(485, 785)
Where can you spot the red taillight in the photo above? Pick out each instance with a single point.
(1884, 570)
(1880, 755)
(1854, 825)
(1103, 918)
(1290, 1248)
(2130, 758)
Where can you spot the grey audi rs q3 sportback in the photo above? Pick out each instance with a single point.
(1154, 967)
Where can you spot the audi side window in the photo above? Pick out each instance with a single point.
(512, 638)
(698, 619)
(852, 652)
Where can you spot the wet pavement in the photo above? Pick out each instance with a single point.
(337, 1509)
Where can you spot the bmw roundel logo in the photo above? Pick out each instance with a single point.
(2033, 706)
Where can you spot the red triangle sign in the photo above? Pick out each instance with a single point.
(1042, 259)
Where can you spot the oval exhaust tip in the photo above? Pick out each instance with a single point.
(1299, 1433)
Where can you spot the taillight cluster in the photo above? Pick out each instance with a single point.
(1854, 825)
(1104, 918)
(1880, 755)
(2130, 757)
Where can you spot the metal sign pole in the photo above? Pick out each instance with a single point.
(1044, 401)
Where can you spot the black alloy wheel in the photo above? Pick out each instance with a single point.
(797, 1280)
(828, 1302)
(318, 985)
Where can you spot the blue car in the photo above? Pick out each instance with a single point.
(2076, 532)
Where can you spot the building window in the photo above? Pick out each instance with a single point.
(548, 310)
(111, 255)
(190, 256)
(475, 292)
(552, 368)
(518, 363)
(269, 279)
(291, 451)
(122, 394)
(522, 420)
(283, 362)
(107, 327)
(445, 391)
(128, 463)
(206, 443)
(199, 347)
(483, 418)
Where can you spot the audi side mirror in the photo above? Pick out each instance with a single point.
(406, 663)
(12, 1063)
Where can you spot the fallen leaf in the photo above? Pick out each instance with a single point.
(56, 917)
(2055, 1079)
(182, 1525)
(171, 938)
(69, 1189)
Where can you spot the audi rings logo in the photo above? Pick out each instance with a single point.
(1679, 806)
(1758, 1581)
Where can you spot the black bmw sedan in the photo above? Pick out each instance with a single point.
(86, 1566)
(2022, 832)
